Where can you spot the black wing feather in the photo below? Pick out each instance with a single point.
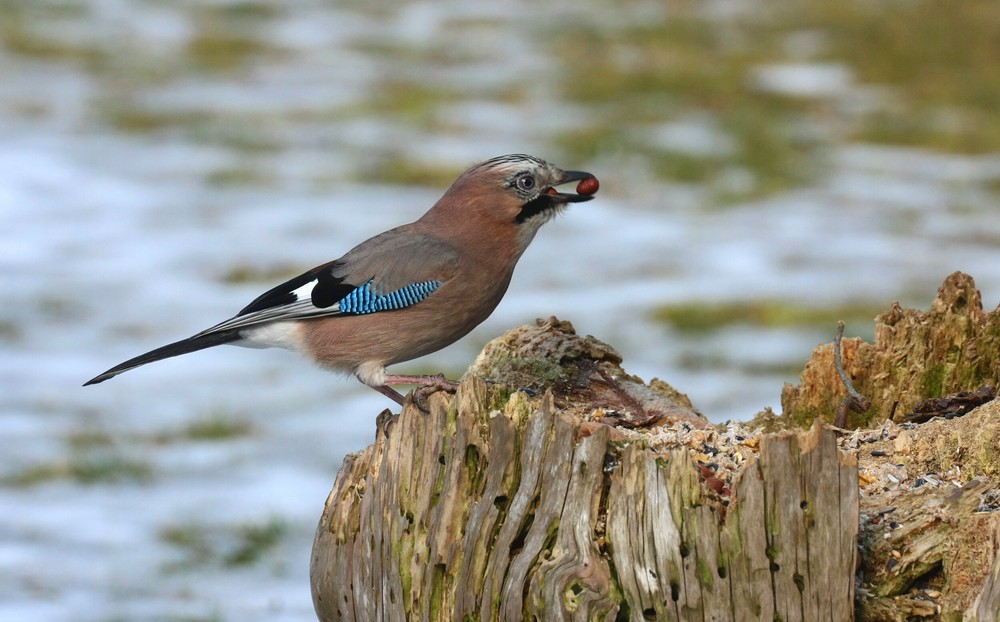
(327, 292)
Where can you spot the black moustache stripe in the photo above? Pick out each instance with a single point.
(533, 208)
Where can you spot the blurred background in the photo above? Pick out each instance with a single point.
(766, 169)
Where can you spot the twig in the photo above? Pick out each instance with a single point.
(854, 400)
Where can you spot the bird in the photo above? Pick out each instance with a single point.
(408, 291)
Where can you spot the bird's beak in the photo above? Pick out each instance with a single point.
(584, 191)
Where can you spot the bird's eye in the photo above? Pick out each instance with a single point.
(527, 182)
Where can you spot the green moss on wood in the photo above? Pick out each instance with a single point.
(917, 355)
(933, 380)
(706, 574)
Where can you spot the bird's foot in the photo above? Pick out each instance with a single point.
(435, 381)
(428, 384)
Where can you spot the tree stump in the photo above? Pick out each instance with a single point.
(571, 490)
(929, 518)
(568, 489)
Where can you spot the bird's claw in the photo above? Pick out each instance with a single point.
(422, 394)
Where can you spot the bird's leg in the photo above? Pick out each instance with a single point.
(390, 393)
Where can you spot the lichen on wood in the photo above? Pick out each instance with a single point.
(568, 501)
(953, 347)
(554, 485)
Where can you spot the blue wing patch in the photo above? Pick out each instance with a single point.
(363, 300)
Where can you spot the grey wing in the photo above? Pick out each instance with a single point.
(395, 269)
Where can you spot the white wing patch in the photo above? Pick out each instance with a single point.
(301, 308)
(305, 292)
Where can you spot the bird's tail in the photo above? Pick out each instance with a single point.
(191, 344)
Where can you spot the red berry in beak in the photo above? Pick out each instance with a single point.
(589, 185)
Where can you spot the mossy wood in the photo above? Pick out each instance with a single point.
(494, 507)
(930, 529)
(917, 355)
(568, 489)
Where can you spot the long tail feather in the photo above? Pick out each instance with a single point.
(184, 346)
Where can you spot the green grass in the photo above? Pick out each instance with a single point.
(211, 50)
(211, 427)
(226, 37)
(665, 71)
(937, 64)
(92, 456)
(406, 171)
(95, 456)
(697, 317)
(216, 426)
(23, 32)
(240, 177)
(83, 468)
(129, 116)
(228, 546)
(934, 64)
(940, 59)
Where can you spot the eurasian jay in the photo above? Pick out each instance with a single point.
(409, 291)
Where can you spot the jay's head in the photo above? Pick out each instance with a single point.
(516, 192)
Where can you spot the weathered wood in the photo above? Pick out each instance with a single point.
(567, 489)
(928, 534)
(986, 606)
(496, 505)
(953, 347)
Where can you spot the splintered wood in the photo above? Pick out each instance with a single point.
(568, 489)
(917, 355)
(503, 507)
